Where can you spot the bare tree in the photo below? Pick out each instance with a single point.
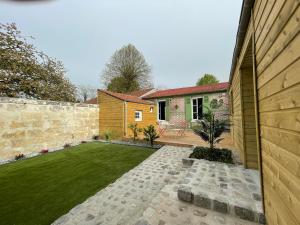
(127, 71)
(85, 92)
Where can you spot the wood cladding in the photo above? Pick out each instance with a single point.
(276, 32)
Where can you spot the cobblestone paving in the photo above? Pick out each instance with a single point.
(166, 209)
(146, 195)
(124, 201)
(224, 188)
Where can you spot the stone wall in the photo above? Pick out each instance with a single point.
(28, 126)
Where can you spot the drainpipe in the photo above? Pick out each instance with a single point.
(125, 118)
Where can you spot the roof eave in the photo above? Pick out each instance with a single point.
(194, 93)
(245, 15)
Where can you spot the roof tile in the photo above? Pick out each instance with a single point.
(189, 90)
(126, 97)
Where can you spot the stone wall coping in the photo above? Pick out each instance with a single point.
(44, 102)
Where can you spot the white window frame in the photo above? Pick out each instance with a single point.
(196, 97)
(158, 101)
(140, 113)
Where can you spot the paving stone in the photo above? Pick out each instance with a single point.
(187, 161)
(261, 218)
(142, 222)
(89, 217)
(223, 186)
(161, 222)
(220, 206)
(199, 213)
(220, 219)
(244, 213)
(202, 200)
(256, 196)
(185, 194)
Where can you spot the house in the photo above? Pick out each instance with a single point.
(265, 102)
(188, 104)
(178, 107)
(139, 93)
(92, 101)
(117, 111)
(142, 93)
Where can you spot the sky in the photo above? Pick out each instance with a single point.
(180, 39)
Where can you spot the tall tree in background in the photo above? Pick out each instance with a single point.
(29, 73)
(85, 92)
(127, 71)
(207, 79)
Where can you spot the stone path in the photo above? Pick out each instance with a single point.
(224, 188)
(146, 195)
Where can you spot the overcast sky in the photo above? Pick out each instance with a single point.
(180, 39)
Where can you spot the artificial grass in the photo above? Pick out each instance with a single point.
(38, 190)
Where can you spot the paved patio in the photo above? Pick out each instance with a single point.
(189, 138)
(147, 195)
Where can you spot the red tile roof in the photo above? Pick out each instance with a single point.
(126, 97)
(140, 92)
(92, 101)
(189, 90)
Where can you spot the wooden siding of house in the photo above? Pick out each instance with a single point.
(250, 144)
(111, 115)
(277, 42)
(276, 29)
(236, 114)
(148, 117)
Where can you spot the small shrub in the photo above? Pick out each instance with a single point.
(135, 130)
(83, 142)
(210, 129)
(107, 135)
(19, 156)
(150, 134)
(67, 145)
(44, 151)
(95, 137)
(219, 155)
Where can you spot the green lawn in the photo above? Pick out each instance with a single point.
(37, 191)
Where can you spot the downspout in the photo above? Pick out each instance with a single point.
(256, 108)
(125, 118)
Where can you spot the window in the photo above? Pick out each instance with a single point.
(138, 115)
(197, 109)
(162, 110)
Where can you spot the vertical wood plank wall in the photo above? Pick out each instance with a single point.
(111, 115)
(277, 54)
(249, 118)
(236, 114)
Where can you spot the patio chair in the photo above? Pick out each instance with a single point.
(162, 127)
(181, 128)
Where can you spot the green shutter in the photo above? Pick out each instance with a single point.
(205, 106)
(167, 109)
(188, 108)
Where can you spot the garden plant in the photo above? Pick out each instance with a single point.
(135, 130)
(210, 130)
(150, 134)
